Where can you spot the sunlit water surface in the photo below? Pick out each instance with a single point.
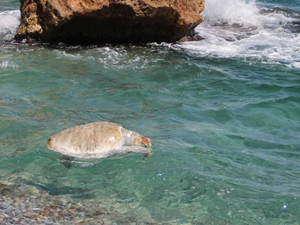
(223, 115)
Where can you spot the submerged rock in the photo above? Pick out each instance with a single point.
(108, 21)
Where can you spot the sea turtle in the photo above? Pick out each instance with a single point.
(98, 140)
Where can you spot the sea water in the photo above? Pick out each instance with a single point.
(223, 115)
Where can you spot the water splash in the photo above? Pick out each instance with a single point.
(8, 65)
(241, 29)
(220, 12)
(9, 22)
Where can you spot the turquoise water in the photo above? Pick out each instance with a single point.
(223, 116)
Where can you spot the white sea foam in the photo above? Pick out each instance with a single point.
(237, 28)
(220, 11)
(8, 65)
(295, 65)
(63, 54)
(9, 22)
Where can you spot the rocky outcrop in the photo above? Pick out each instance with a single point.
(108, 21)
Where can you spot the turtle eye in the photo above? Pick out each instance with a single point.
(146, 142)
(144, 145)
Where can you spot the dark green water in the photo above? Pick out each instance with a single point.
(225, 130)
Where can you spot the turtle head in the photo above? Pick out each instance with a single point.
(146, 142)
(142, 141)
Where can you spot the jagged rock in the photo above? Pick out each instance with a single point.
(108, 21)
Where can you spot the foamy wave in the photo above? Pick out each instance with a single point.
(230, 11)
(295, 65)
(63, 54)
(237, 28)
(8, 65)
(117, 57)
(239, 12)
(9, 22)
(121, 58)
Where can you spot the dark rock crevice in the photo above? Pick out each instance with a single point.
(121, 27)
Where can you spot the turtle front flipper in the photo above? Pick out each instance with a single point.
(147, 152)
(66, 160)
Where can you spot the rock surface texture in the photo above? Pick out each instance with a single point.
(108, 21)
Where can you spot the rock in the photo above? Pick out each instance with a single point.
(108, 21)
(45, 212)
(6, 189)
(72, 211)
(43, 192)
(191, 38)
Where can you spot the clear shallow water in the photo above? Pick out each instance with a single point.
(223, 115)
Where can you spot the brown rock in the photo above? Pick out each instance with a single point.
(72, 211)
(43, 192)
(108, 21)
(45, 212)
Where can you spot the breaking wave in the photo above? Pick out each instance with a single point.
(242, 29)
(9, 22)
